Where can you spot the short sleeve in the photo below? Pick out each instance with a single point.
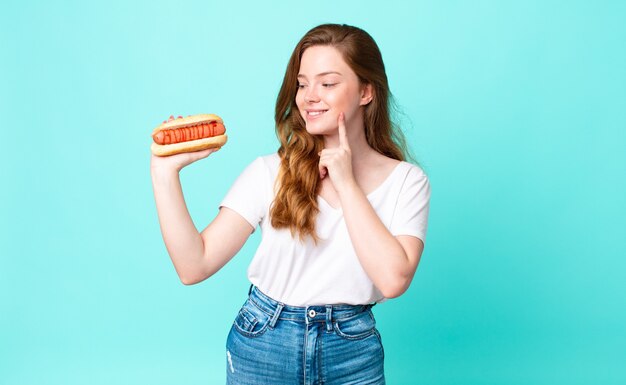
(248, 195)
(411, 212)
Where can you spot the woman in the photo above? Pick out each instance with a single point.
(343, 221)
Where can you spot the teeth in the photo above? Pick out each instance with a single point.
(315, 113)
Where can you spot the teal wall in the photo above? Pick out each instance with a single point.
(516, 110)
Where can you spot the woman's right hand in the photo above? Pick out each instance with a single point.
(196, 256)
(175, 163)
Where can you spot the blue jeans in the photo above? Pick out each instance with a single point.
(272, 343)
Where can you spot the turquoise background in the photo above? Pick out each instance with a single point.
(516, 110)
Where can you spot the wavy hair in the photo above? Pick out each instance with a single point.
(298, 183)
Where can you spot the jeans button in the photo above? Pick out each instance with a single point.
(312, 313)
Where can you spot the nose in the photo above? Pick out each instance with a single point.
(310, 95)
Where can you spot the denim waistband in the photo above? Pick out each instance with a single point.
(308, 314)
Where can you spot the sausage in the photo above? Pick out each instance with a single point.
(189, 133)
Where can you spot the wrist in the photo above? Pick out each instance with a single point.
(348, 189)
(163, 173)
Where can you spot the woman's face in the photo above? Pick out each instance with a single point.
(326, 87)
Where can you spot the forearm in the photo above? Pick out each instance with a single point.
(380, 254)
(182, 240)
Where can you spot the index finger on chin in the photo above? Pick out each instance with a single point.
(343, 136)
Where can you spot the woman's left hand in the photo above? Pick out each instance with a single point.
(336, 163)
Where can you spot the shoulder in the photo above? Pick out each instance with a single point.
(414, 170)
(268, 165)
(415, 181)
(268, 162)
(402, 169)
(262, 168)
(271, 161)
(411, 178)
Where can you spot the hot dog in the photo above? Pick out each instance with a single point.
(193, 133)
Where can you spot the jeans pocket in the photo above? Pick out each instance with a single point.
(251, 321)
(356, 327)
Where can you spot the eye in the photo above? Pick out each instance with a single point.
(301, 86)
(328, 85)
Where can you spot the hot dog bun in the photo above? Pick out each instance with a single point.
(188, 145)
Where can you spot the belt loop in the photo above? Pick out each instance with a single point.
(250, 289)
(329, 318)
(279, 309)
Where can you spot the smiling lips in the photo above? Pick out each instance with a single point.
(313, 114)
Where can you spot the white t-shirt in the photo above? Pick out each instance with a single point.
(301, 274)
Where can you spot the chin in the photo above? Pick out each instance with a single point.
(321, 127)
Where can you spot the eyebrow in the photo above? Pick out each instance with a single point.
(321, 74)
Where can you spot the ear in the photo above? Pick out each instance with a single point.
(367, 94)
